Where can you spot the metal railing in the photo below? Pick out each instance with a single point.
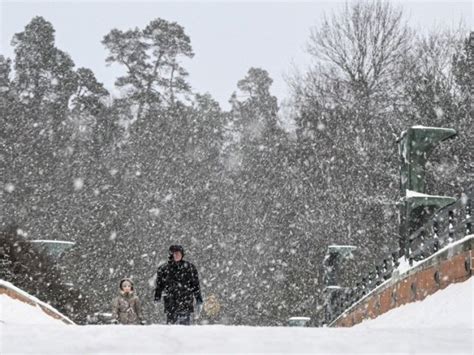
(446, 226)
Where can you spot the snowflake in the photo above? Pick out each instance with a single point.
(155, 211)
(78, 184)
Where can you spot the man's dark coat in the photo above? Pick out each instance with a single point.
(178, 283)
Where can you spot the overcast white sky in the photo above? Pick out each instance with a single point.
(227, 37)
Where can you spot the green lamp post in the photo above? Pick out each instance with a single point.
(415, 146)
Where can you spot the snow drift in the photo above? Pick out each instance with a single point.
(19, 307)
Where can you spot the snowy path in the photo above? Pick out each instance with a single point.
(443, 323)
(231, 340)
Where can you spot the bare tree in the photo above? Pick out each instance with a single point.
(361, 47)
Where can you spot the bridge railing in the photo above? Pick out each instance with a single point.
(446, 226)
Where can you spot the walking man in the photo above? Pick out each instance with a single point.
(178, 282)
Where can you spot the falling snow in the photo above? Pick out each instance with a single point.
(256, 191)
(78, 184)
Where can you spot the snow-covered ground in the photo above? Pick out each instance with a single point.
(442, 323)
(14, 312)
(450, 308)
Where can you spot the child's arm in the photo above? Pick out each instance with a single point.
(115, 310)
(138, 311)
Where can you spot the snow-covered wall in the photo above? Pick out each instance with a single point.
(10, 295)
(452, 264)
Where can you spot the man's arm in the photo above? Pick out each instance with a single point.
(195, 285)
(160, 283)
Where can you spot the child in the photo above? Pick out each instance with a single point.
(126, 307)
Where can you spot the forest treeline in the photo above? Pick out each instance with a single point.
(254, 204)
